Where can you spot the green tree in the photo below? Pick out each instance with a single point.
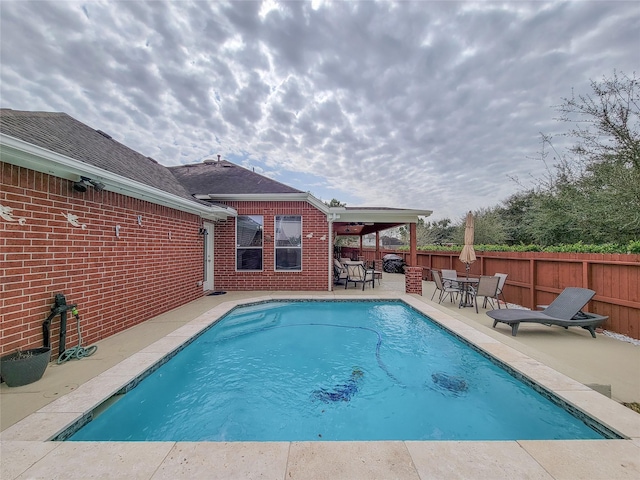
(593, 193)
(341, 241)
(488, 227)
(606, 122)
(606, 127)
(513, 212)
(430, 233)
(335, 203)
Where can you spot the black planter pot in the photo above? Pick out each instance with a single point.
(25, 367)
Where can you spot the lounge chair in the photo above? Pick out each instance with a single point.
(356, 273)
(565, 311)
(444, 290)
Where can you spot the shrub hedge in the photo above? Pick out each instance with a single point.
(631, 247)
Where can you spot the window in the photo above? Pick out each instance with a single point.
(289, 242)
(249, 242)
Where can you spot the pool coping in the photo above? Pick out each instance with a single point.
(29, 438)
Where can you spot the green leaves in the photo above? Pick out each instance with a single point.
(579, 247)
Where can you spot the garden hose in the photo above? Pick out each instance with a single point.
(78, 351)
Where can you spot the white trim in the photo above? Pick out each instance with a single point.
(275, 243)
(261, 247)
(27, 155)
(330, 285)
(342, 214)
(387, 215)
(209, 259)
(265, 197)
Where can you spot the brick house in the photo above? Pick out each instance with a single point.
(127, 239)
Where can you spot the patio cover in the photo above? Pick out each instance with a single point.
(360, 221)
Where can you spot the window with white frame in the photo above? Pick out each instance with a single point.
(249, 241)
(288, 242)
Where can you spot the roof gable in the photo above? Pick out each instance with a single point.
(222, 177)
(63, 134)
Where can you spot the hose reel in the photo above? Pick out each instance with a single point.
(60, 307)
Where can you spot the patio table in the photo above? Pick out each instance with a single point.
(466, 288)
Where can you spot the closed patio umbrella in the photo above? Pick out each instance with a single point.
(468, 254)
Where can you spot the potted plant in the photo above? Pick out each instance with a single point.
(24, 366)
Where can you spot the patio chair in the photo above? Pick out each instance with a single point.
(440, 286)
(565, 311)
(356, 273)
(499, 293)
(377, 274)
(339, 272)
(487, 288)
(448, 278)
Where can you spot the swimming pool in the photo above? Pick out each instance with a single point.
(331, 371)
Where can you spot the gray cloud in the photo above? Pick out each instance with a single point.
(429, 105)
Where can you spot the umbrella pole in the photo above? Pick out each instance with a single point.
(468, 267)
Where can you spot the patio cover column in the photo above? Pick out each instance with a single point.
(413, 248)
(412, 272)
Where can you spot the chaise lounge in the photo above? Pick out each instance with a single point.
(565, 311)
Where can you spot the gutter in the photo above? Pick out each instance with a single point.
(331, 218)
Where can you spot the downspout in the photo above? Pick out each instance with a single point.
(331, 219)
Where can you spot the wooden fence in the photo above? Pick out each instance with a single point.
(536, 278)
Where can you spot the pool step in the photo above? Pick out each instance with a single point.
(247, 324)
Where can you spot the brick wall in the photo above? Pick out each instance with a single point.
(413, 279)
(315, 261)
(116, 282)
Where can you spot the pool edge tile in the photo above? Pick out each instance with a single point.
(88, 395)
(39, 426)
(19, 456)
(605, 410)
(223, 460)
(497, 460)
(546, 376)
(604, 459)
(108, 460)
(352, 460)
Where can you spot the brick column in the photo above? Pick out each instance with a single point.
(413, 280)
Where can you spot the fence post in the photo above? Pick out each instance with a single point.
(585, 274)
(532, 283)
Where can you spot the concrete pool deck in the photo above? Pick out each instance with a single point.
(563, 361)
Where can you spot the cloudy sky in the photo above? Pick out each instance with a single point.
(428, 105)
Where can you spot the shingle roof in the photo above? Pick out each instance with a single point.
(223, 177)
(62, 134)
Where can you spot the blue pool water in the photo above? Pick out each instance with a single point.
(295, 371)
